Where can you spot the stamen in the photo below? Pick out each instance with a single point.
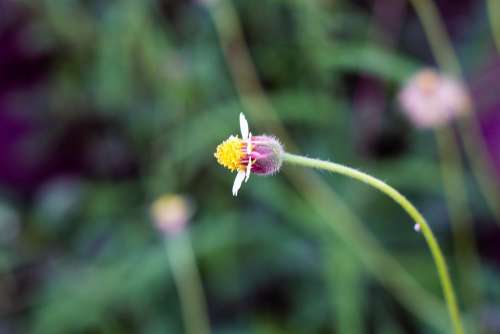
(230, 153)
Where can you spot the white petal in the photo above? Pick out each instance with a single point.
(243, 126)
(237, 182)
(249, 167)
(249, 143)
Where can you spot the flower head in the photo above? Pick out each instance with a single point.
(171, 213)
(430, 99)
(261, 155)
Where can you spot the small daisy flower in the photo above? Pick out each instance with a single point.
(430, 99)
(261, 155)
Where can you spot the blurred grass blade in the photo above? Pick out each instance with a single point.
(494, 14)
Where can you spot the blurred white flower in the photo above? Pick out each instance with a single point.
(171, 213)
(430, 99)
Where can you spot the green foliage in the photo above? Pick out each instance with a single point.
(156, 72)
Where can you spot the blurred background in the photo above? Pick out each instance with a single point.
(107, 105)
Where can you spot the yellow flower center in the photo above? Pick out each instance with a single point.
(229, 153)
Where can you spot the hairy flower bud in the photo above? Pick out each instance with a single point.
(262, 155)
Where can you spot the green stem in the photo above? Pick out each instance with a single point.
(455, 193)
(494, 14)
(420, 222)
(188, 283)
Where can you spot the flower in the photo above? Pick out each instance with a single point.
(171, 213)
(430, 99)
(261, 155)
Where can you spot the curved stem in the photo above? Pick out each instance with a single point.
(437, 254)
(378, 262)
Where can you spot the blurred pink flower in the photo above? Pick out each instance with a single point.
(171, 213)
(430, 99)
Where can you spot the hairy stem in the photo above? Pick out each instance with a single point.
(420, 222)
(320, 196)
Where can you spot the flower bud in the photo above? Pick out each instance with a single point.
(266, 155)
(262, 155)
